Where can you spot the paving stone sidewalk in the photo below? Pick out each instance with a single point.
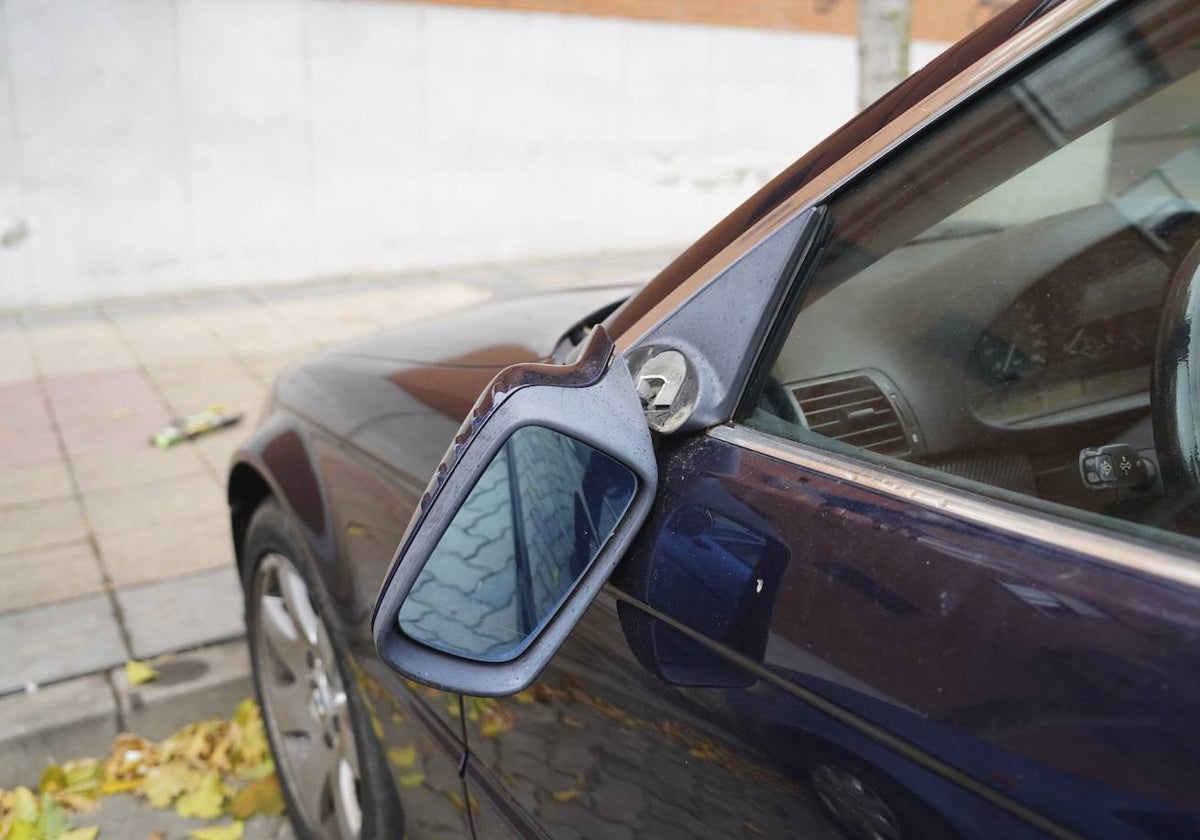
(111, 549)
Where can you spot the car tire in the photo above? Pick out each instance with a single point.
(331, 767)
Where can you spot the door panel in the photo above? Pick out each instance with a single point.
(988, 676)
(600, 747)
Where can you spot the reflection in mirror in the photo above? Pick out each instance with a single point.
(527, 532)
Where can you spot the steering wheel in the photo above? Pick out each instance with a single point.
(1175, 385)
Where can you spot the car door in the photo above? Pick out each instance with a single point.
(936, 576)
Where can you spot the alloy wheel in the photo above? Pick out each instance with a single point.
(305, 706)
(856, 807)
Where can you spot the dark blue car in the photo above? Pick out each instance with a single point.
(874, 514)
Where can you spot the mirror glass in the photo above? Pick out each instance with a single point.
(528, 530)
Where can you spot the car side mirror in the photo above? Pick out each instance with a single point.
(533, 505)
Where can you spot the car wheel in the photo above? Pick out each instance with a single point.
(868, 805)
(330, 766)
(858, 809)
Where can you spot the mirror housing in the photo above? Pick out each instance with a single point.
(592, 401)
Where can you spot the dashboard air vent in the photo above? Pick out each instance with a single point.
(855, 410)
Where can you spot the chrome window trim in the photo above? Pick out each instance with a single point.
(1128, 553)
(967, 83)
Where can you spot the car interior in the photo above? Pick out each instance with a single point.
(991, 302)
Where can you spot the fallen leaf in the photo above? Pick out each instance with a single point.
(128, 760)
(110, 787)
(164, 783)
(753, 829)
(90, 832)
(52, 821)
(261, 797)
(494, 727)
(139, 673)
(403, 757)
(566, 795)
(567, 720)
(78, 804)
(205, 801)
(246, 712)
(233, 831)
(412, 780)
(526, 697)
(456, 800)
(53, 779)
(25, 805)
(83, 777)
(254, 772)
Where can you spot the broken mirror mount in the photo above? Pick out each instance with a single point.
(666, 386)
(691, 365)
(537, 498)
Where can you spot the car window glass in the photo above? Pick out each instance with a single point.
(1006, 301)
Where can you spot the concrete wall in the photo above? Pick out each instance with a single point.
(149, 146)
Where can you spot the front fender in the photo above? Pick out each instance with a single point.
(278, 460)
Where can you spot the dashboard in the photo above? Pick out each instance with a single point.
(1054, 331)
(1082, 337)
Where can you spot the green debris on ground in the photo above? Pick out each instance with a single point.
(209, 770)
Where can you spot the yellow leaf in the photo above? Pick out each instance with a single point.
(77, 803)
(247, 712)
(129, 757)
(526, 697)
(205, 802)
(23, 831)
(163, 784)
(412, 780)
(457, 800)
(90, 832)
(139, 673)
(53, 819)
(53, 779)
(83, 776)
(254, 772)
(233, 831)
(109, 787)
(403, 757)
(261, 797)
(25, 806)
(566, 795)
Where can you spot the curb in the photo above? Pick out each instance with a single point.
(78, 718)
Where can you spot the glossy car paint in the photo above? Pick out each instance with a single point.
(348, 444)
(1013, 688)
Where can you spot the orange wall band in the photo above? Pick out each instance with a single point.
(933, 20)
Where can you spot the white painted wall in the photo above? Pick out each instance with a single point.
(149, 146)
